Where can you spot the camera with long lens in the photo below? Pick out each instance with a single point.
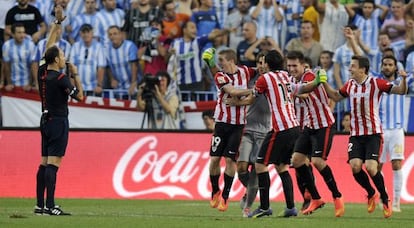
(149, 87)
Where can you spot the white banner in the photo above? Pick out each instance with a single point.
(20, 112)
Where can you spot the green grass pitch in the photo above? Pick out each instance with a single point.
(177, 213)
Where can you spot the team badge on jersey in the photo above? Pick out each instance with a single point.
(221, 80)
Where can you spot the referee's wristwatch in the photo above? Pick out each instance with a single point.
(57, 22)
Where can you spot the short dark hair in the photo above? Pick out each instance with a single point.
(260, 55)
(274, 60)
(164, 74)
(86, 28)
(363, 62)
(331, 54)
(16, 25)
(184, 25)
(165, 3)
(389, 57)
(308, 61)
(369, 1)
(50, 54)
(388, 49)
(296, 55)
(115, 27)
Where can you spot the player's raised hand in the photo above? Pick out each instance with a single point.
(209, 57)
(321, 76)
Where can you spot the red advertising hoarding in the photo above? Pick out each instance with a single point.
(148, 165)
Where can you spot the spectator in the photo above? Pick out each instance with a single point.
(44, 7)
(137, 19)
(5, 6)
(392, 52)
(250, 38)
(369, 22)
(346, 122)
(269, 17)
(185, 58)
(186, 6)
(17, 60)
(375, 55)
(172, 21)
(77, 7)
(310, 14)
(61, 43)
(326, 63)
(334, 17)
(222, 8)
(122, 60)
(88, 17)
(107, 17)
(208, 119)
(50, 16)
(264, 44)
(306, 44)
(88, 56)
(394, 26)
(153, 50)
(235, 23)
(159, 102)
(342, 57)
(205, 19)
(293, 16)
(29, 16)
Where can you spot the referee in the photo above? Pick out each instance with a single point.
(54, 89)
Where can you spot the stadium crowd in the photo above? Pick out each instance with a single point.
(114, 43)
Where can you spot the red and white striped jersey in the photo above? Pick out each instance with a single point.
(300, 109)
(301, 112)
(279, 92)
(319, 113)
(365, 102)
(239, 80)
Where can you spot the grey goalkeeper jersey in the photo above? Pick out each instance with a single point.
(258, 114)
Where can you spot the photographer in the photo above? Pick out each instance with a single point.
(157, 97)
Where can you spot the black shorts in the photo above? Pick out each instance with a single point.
(226, 140)
(365, 147)
(315, 142)
(55, 134)
(277, 147)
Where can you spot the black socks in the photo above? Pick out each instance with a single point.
(50, 179)
(40, 186)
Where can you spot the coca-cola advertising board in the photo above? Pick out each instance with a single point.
(154, 165)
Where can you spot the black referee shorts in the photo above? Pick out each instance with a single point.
(55, 135)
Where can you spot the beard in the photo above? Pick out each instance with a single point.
(22, 4)
(388, 74)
